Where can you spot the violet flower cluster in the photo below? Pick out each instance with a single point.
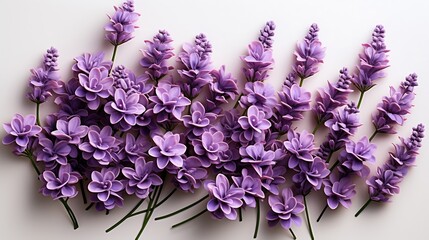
(118, 133)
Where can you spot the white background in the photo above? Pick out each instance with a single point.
(30, 27)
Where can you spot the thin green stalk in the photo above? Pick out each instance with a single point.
(30, 156)
(126, 216)
(301, 82)
(70, 212)
(373, 135)
(238, 100)
(190, 219)
(329, 156)
(153, 201)
(182, 209)
(363, 207)
(89, 206)
(258, 218)
(316, 127)
(38, 114)
(114, 54)
(293, 234)
(240, 215)
(82, 189)
(321, 214)
(333, 166)
(157, 205)
(308, 218)
(360, 98)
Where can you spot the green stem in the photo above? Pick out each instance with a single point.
(238, 100)
(360, 98)
(240, 215)
(363, 207)
(157, 205)
(329, 156)
(373, 135)
(258, 217)
(82, 189)
(89, 206)
(333, 166)
(151, 205)
(316, 127)
(293, 234)
(308, 218)
(321, 214)
(190, 219)
(38, 114)
(30, 156)
(114, 54)
(70, 212)
(301, 82)
(126, 216)
(182, 209)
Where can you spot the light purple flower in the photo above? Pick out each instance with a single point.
(168, 150)
(124, 109)
(141, 178)
(199, 120)
(252, 188)
(224, 198)
(60, 185)
(190, 175)
(257, 157)
(254, 123)
(20, 131)
(71, 131)
(339, 190)
(258, 62)
(300, 147)
(94, 86)
(86, 62)
(168, 100)
(211, 144)
(314, 172)
(384, 185)
(100, 145)
(261, 95)
(106, 188)
(53, 152)
(223, 89)
(122, 24)
(136, 147)
(272, 177)
(356, 153)
(285, 209)
(267, 34)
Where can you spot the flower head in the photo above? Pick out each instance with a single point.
(210, 146)
(258, 62)
(94, 87)
(61, 184)
(168, 100)
(257, 157)
(339, 190)
(267, 34)
(285, 209)
(106, 188)
(53, 152)
(100, 146)
(124, 109)
(300, 147)
(71, 131)
(190, 175)
(252, 187)
(121, 26)
(356, 153)
(168, 150)
(20, 131)
(254, 123)
(141, 178)
(261, 95)
(199, 119)
(86, 62)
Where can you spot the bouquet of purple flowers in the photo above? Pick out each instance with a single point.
(190, 128)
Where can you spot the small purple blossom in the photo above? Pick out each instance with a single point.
(94, 87)
(311, 175)
(124, 109)
(106, 188)
(100, 145)
(257, 157)
(300, 147)
(356, 153)
(53, 152)
(261, 95)
(224, 198)
(168, 100)
(211, 144)
(258, 62)
(285, 209)
(198, 120)
(223, 88)
(254, 124)
(168, 150)
(267, 34)
(141, 178)
(71, 131)
(252, 187)
(60, 185)
(86, 62)
(121, 25)
(339, 190)
(384, 185)
(190, 175)
(20, 131)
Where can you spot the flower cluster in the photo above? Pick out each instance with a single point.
(117, 133)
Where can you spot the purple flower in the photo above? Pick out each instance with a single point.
(300, 147)
(372, 61)
(392, 109)
(309, 54)
(199, 120)
(311, 175)
(53, 152)
(190, 175)
(261, 95)
(168, 150)
(254, 123)
(224, 198)
(94, 86)
(356, 153)
(71, 131)
(252, 188)
(141, 178)
(156, 54)
(210, 146)
(20, 131)
(124, 109)
(272, 177)
(106, 188)
(202, 46)
(136, 147)
(258, 62)
(86, 62)
(222, 89)
(100, 145)
(285, 209)
(257, 157)
(122, 24)
(60, 185)
(334, 96)
(384, 185)
(168, 100)
(267, 34)
(339, 190)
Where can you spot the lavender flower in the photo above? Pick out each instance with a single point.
(384, 185)
(261, 95)
(393, 108)
(327, 100)
(285, 209)
(223, 88)
(53, 152)
(198, 120)
(309, 54)
(258, 62)
(300, 147)
(141, 178)
(122, 24)
(190, 175)
(86, 62)
(266, 34)
(272, 177)
(71, 131)
(311, 175)
(339, 190)
(60, 185)
(252, 187)
(100, 145)
(254, 123)
(372, 61)
(356, 153)
(211, 144)
(106, 188)
(124, 109)
(257, 157)
(94, 87)
(155, 56)
(168, 100)
(20, 131)
(224, 198)
(168, 150)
